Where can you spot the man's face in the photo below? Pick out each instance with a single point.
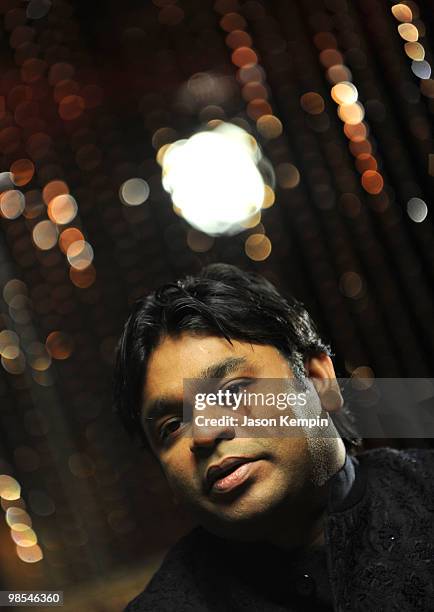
(279, 474)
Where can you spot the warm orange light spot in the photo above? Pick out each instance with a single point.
(351, 113)
(22, 171)
(243, 56)
(415, 51)
(269, 126)
(312, 103)
(330, 57)
(83, 278)
(71, 107)
(64, 88)
(232, 21)
(59, 345)
(344, 93)
(364, 162)
(62, 209)
(408, 32)
(54, 189)
(258, 107)
(372, 181)
(363, 146)
(238, 38)
(257, 247)
(356, 132)
(254, 89)
(68, 236)
(402, 12)
(31, 554)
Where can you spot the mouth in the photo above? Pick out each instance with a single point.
(228, 474)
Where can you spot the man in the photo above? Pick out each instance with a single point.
(285, 522)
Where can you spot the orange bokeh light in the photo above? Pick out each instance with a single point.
(68, 236)
(54, 189)
(244, 56)
(83, 278)
(59, 345)
(372, 182)
(71, 107)
(22, 171)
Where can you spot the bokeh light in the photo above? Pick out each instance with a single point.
(83, 278)
(59, 344)
(71, 107)
(12, 204)
(25, 538)
(80, 254)
(17, 516)
(31, 554)
(13, 360)
(68, 236)
(257, 247)
(62, 209)
(312, 103)
(421, 69)
(417, 210)
(415, 51)
(351, 113)
(287, 175)
(134, 191)
(22, 171)
(372, 181)
(344, 93)
(13, 288)
(214, 180)
(269, 126)
(9, 487)
(38, 356)
(45, 235)
(54, 189)
(408, 32)
(198, 241)
(402, 12)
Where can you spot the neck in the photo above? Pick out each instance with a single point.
(301, 526)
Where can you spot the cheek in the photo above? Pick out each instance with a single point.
(179, 473)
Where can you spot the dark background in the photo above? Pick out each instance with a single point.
(354, 256)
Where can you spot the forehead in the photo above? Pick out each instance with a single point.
(188, 355)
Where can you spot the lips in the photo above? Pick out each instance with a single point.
(224, 468)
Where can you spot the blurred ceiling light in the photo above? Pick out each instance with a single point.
(214, 179)
(402, 12)
(417, 210)
(9, 487)
(134, 192)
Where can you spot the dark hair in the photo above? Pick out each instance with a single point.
(221, 300)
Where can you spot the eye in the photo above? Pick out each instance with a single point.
(170, 428)
(235, 388)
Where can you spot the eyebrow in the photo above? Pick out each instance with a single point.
(165, 404)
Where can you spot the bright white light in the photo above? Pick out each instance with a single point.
(214, 180)
(417, 210)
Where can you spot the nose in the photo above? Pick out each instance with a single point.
(207, 436)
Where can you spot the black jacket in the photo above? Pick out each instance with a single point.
(379, 535)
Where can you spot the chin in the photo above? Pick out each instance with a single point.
(245, 521)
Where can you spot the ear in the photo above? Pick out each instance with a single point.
(322, 373)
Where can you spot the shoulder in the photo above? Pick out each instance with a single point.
(415, 461)
(407, 472)
(174, 587)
